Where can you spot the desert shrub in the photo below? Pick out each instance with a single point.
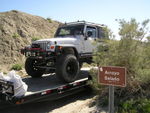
(98, 89)
(35, 38)
(135, 106)
(16, 67)
(14, 11)
(5, 73)
(133, 54)
(95, 83)
(15, 35)
(49, 20)
(144, 75)
(128, 52)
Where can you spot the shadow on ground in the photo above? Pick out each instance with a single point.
(47, 106)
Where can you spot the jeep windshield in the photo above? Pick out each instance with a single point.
(70, 31)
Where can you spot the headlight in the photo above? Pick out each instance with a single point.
(48, 45)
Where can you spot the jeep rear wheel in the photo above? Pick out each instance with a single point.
(67, 68)
(31, 69)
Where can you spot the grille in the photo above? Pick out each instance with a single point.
(42, 45)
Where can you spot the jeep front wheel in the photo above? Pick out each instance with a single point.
(31, 69)
(67, 68)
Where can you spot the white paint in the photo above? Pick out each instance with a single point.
(111, 73)
(111, 78)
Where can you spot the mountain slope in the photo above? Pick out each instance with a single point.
(17, 29)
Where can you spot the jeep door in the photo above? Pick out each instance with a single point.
(90, 39)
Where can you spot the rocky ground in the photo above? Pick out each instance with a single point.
(18, 29)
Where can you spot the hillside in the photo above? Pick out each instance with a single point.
(17, 29)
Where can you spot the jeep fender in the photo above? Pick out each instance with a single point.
(67, 50)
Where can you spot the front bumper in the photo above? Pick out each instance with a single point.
(37, 53)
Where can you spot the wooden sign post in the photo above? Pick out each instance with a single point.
(112, 76)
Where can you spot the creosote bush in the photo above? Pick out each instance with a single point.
(132, 53)
(135, 106)
(15, 35)
(129, 52)
(16, 67)
(35, 38)
(49, 20)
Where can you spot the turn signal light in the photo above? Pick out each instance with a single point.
(60, 47)
(52, 47)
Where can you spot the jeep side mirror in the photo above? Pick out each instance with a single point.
(88, 34)
(85, 37)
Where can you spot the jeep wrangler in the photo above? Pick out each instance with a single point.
(72, 46)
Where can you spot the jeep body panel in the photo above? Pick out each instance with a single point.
(64, 42)
(73, 44)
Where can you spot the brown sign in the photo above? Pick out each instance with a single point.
(115, 76)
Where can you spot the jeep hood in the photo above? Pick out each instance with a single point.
(59, 41)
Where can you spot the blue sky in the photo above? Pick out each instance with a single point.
(98, 11)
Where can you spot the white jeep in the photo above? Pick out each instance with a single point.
(72, 46)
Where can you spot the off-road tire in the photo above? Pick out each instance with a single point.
(80, 65)
(67, 68)
(31, 69)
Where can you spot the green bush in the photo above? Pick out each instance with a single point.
(15, 35)
(129, 52)
(94, 81)
(35, 38)
(16, 67)
(133, 54)
(144, 75)
(49, 20)
(135, 106)
(5, 73)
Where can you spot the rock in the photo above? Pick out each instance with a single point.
(17, 30)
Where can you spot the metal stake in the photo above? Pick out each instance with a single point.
(111, 99)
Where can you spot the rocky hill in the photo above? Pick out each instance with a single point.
(18, 29)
